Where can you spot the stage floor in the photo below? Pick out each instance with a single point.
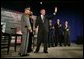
(74, 51)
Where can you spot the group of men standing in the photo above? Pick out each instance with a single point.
(58, 34)
(42, 27)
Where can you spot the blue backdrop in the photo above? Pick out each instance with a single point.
(75, 19)
(72, 11)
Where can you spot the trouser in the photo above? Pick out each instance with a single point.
(38, 46)
(51, 38)
(66, 40)
(24, 44)
(30, 42)
(58, 40)
(42, 39)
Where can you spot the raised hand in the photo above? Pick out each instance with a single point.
(55, 9)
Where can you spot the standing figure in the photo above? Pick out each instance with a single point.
(51, 36)
(30, 34)
(25, 28)
(42, 25)
(58, 33)
(66, 34)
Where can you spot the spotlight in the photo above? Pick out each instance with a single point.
(41, 3)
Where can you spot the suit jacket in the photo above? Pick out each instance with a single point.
(43, 27)
(65, 32)
(58, 29)
(25, 23)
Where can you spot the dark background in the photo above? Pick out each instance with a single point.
(70, 10)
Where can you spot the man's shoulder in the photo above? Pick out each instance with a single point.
(23, 15)
(38, 17)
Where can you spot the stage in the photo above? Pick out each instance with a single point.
(74, 51)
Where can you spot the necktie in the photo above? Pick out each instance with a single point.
(43, 19)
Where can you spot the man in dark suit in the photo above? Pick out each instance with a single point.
(42, 25)
(58, 33)
(31, 34)
(30, 37)
(51, 36)
(66, 34)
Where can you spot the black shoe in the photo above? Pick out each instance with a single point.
(52, 45)
(29, 51)
(55, 45)
(23, 54)
(68, 44)
(64, 45)
(48, 45)
(45, 52)
(35, 52)
(60, 45)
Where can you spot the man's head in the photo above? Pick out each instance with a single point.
(27, 11)
(58, 21)
(50, 22)
(66, 22)
(42, 11)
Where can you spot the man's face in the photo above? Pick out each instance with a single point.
(66, 22)
(28, 12)
(58, 21)
(43, 12)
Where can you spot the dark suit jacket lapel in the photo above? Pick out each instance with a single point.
(41, 19)
(44, 19)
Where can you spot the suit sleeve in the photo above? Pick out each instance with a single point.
(27, 22)
(37, 22)
(51, 16)
(69, 30)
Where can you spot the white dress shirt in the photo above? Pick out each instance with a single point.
(42, 17)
